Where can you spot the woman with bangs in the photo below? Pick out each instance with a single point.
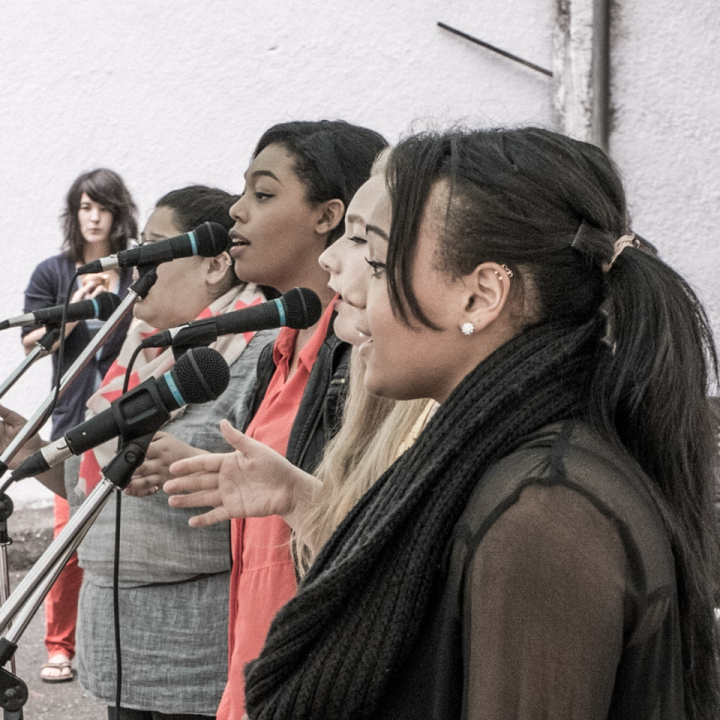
(98, 220)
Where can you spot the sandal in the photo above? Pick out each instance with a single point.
(61, 667)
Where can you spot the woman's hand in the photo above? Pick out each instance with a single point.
(152, 475)
(91, 286)
(10, 425)
(254, 481)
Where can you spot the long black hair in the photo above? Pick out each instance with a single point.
(551, 209)
(107, 188)
(333, 158)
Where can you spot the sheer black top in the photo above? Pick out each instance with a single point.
(560, 596)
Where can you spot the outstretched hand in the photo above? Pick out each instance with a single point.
(253, 481)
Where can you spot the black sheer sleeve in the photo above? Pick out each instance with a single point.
(545, 594)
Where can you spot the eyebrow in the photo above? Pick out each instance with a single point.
(375, 229)
(265, 173)
(354, 219)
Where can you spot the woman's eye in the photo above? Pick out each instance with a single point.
(262, 195)
(378, 268)
(357, 240)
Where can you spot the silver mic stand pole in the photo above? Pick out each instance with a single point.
(25, 600)
(42, 348)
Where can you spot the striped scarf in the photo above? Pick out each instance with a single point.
(154, 362)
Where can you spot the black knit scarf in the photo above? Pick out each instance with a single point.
(332, 650)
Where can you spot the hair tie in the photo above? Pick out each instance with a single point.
(620, 244)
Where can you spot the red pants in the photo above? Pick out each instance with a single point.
(61, 603)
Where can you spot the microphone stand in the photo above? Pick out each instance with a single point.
(137, 291)
(42, 348)
(10, 691)
(25, 600)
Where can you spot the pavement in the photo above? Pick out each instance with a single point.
(30, 528)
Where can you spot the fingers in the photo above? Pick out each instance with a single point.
(239, 440)
(192, 483)
(11, 417)
(205, 498)
(219, 514)
(207, 462)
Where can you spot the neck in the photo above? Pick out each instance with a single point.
(95, 251)
(316, 281)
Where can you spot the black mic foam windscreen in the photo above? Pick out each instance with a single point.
(202, 375)
(303, 308)
(212, 239)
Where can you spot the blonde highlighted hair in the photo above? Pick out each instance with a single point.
(373, 434)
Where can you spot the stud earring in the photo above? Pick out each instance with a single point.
(467, 328)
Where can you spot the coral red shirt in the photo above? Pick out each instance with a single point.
(263, 575)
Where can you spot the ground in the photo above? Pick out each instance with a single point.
(31, 532)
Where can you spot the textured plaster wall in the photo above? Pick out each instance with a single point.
(666, 139)
(173, 92)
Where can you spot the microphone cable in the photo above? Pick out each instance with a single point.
(116, 559)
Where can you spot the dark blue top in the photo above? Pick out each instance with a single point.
(47, 287)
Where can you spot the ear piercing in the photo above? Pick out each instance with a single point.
(507, 270)
(467, 328)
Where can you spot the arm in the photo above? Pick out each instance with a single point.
(253, 481)
(546, 592)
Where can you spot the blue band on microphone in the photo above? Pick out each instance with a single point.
(281, 310)
(170, 380)
(193, 242)
(96, 306)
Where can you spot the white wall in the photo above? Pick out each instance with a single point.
(666, 94)
(172, 92)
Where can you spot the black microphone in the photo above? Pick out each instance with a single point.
(206, 240)
(299, 309)
(100, 307)
(199, 376)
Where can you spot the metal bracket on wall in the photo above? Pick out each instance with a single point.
(498, 50)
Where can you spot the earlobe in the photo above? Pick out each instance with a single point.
(489, 287)
(332, 212)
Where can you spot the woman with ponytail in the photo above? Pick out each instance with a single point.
(545, 548)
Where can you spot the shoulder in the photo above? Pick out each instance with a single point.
(55, 267)
(565, 490)
(247, 362)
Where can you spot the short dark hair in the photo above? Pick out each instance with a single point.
(107, 188)
(333, 158)
(195, 204)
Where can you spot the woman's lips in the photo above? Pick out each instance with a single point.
(238, 243)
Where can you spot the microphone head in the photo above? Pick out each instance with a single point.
(107, 304)
(212, 239)
(302, 307)
(201, 375)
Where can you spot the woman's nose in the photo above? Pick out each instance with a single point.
(329, 260)
(238, 211)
